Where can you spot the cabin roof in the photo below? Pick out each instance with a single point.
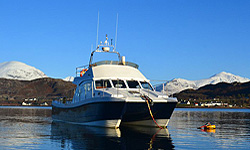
(117, 71)
(111, 72)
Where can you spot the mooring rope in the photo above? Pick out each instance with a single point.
(147, 99)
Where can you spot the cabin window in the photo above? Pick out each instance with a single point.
(119, 84)
(87, 87)
(77, 94)
(82, 92)
(99, 84)
(146, 85)
(133, 84)
(85, 90)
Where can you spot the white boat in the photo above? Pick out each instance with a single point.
(114, 93)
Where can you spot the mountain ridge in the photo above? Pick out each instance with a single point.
(20, 71)
(177, 85)
(235, 92)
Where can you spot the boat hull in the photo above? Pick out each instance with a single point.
(103, 114)
(113, 112)
(138, 113)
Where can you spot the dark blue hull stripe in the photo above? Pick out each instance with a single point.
(128, 112)
(90, 112)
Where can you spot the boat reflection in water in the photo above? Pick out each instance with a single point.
(135, 137)
(84, 137)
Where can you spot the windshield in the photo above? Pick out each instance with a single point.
(146, 85)
(133, 84)
(99, 84)
(119, 84)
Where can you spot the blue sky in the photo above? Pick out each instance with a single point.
(190, 39)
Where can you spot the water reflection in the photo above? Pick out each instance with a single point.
(24, 127)
(32, 128)
(83, 137)
(146, 138)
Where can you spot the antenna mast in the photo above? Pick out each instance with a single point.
(116, 30)
(97, 30)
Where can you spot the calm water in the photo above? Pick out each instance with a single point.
(32, 128)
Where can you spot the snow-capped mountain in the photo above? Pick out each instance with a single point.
(221, 77)
(69, 78)
(20, 71)
(178, 85)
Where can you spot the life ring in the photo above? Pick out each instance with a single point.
(83, 72)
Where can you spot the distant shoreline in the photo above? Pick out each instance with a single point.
(217, 107)
(24, 105)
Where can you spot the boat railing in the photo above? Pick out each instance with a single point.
(128, 93)
(161, 86)
(81, 70)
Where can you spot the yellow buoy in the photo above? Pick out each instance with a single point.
(209, 127)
